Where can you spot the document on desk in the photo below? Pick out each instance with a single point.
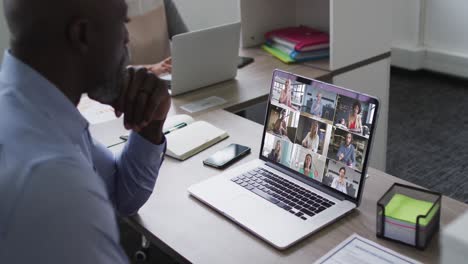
(356, 249)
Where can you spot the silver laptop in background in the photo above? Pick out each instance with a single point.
(203, 57)
(312, 164)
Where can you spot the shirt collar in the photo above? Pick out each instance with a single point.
(44, 95)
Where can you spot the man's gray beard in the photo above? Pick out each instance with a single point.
(108, 92)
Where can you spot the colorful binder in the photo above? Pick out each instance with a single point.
(278, 54)
(295, 56)
(299, 38)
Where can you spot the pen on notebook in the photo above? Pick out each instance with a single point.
(179, 126)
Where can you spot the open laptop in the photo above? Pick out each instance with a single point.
(312, 163)
(203, 57)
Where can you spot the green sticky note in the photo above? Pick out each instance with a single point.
(405, 208)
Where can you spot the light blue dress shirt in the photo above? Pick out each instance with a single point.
(349, 156)
(316, 108)
(59, 188)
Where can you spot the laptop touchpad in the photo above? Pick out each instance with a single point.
(246, 206)
(253, 211)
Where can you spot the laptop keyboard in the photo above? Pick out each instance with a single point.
(283, 193)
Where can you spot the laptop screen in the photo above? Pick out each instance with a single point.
(319, 131)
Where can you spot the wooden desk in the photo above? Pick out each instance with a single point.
(190, 231)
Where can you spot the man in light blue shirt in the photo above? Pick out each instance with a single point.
(317, 106)
(346, 152)
(59, 188)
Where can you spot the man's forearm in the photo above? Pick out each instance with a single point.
(153, 132)
(137, 169)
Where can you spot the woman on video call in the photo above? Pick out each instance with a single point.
(308, 169)
(285, 96)
(340, 182)
(275, 153)
(311, 140)
(354, 119)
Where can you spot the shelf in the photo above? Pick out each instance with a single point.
(358, 30)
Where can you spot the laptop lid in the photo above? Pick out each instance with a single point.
(204, 57)
(319, 133)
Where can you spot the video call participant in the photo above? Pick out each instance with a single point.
(346, 151)
(317, 106)
(275, 153)
(354, 119)
(341, 124)
(340, 182)
(311, 140)
(279, 127)
(308, 169)
(285, 96)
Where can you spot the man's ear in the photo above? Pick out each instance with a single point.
(79, 35)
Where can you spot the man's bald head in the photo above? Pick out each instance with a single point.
(80, 43)
(36, 22)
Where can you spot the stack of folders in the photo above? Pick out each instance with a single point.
(401, 215)
(297, 44)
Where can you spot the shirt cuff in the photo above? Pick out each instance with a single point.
(144, 150)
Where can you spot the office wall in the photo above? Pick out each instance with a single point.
(446, 25)
(431, 34)
(189, 15)
(446, 36)
(201, 14)
(405, 23)
(4, 34)
(407, 43)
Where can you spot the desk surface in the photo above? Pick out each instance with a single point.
(175, 221)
